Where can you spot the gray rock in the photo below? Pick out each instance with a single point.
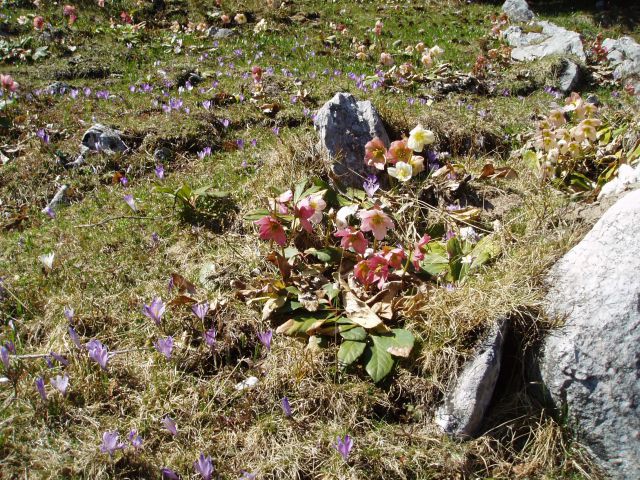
(345, 126)
(163, 154)
(624, 55)
(550, 40)
(58, 88)
(102, 138)
(220, 33)
(517, 10)
(464, 408)
(570, 76)
(591, 366)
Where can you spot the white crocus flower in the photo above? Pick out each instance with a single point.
(402, 171)
(419, 137)
(47, 260)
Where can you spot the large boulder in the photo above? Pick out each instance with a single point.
(624, 55)
(517, 10)
(546, 40)
(590, 367)
(345, 126)
(464, 408)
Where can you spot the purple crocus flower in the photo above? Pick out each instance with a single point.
(371, 185)
(75, 338)
(60, 383)
(4, 356)
(86, 91)
(98, 353)
(124, 181)
(131, 202)
(135, 439)
(344, 446)
(155, 310)
(159, 171)
(61, 359)
(240, 143)
(265, 338)
(204, 467)
(49, 211)
(169, 474)
(200, 310)
(226, 122)
(286, 406)
(276, 131)
(165, 346)
(248, 475)
(110, 443)
(170, 425)
(210, 337)
(68, 313)
(41, 390)
(206, 104)
(43, 135)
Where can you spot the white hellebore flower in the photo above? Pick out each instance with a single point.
(47, 260)
(402, 171)
(419, 137)
(261, 26)
(343, 214)
(436, 51)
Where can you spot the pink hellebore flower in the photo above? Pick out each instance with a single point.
(375, 221)
(256, 73)
(8, 83)
(374, 153)
(362, 272)
(352, 238)
(317, 204)
(419, 250)
(38, 23)
(281, 201)
(304, 213)
(271, 229)
(394, 256)
(71, 12)
(399, 152)
(378, 269)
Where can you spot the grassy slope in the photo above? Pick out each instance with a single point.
(107, 271)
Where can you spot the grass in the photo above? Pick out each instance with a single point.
(107, 266)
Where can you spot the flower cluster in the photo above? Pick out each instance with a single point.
(567, 134)
(400, 155)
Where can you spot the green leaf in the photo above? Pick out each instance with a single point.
(332, 290)
(485, 250)
(298, 190)
(256, 214)
(399, 342)
(297, 326)
(290, 252)
(349, 332)
(349, 352)
(378, 361)
(434, 264)
(327, 255)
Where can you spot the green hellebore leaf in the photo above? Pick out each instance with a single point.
(350, 351)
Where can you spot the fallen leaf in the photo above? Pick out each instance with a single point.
(489, 171)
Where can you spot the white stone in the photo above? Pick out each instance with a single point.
(551, 40)
(517, 10)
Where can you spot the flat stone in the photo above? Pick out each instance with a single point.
(591, 366)
(465, 406)
(102, 138)
(345, 125)
(550, 40)
(517, 10)
(220, 33)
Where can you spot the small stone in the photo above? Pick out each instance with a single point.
(104, 139)
(220, 33)
(464, 408)
(517, 10)
(570, 76)
(163, 154)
